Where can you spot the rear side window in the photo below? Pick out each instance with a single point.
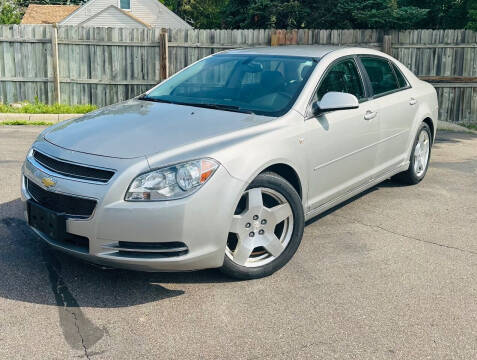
(342, 77)
(380, 74)
(401, 79)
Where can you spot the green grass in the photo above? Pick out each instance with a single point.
(470, 126)
(40, 108)
(24, 122)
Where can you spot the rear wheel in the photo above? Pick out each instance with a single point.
(420, 155)
(266, 228)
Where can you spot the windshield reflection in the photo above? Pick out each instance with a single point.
(260, 84)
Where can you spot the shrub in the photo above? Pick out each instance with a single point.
(10, 12)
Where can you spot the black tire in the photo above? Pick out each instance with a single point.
(279, 184)
(410, 176)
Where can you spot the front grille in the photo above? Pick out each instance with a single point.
(73, 170)
(66, 204)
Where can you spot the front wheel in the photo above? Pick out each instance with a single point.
(266, 228)
(420, 155)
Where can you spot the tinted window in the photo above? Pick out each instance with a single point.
(263, 84)
(380, 74)
(401, 79)
(342, 77)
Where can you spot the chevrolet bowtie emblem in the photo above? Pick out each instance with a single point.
(48, 182)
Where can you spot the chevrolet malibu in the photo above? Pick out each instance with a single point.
(221, 165)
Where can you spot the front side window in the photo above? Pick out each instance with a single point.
(125, 4)
(342, 77)
(262, 84)
(380, 74)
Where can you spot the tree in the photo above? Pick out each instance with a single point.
(472, 8)
(10, 12)
(322, 14)
(266, 14)
(235, 13)
(385, 14)
(327, 14)
(205, 14)
(443, 14)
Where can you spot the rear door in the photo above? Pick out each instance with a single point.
(339, 144)
(397, 108)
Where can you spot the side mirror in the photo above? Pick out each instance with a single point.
(332, 101)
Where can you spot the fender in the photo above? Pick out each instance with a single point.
(280, 161)
(281, 145)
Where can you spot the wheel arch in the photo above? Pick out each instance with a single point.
(288, 173)
(431, 125)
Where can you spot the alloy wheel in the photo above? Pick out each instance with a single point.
(261, 228)
(421, 153)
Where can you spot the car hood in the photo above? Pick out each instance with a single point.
(139, 128)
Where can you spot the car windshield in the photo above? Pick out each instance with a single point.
(261, 84)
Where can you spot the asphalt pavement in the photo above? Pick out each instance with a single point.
(391, 274)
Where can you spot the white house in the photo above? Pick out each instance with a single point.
(125, 13)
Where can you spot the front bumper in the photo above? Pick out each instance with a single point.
(200, 221)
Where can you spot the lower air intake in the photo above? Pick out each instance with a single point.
(148, 249)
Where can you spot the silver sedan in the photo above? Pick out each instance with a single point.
(220, 165)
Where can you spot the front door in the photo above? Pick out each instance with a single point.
(341, 144)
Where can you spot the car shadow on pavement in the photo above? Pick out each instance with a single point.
(29, 266)
(385, 184)
(445, 136)
(32, 272)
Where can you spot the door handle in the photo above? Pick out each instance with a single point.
(370, 115)
(412, 101)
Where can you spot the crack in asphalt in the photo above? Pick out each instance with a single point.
(79, 332)
(73, 314)
(60, 291)
(81, 336)
(406, 236)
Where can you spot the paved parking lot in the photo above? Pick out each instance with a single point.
(389, 275)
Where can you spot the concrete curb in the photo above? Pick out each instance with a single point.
(54, 118)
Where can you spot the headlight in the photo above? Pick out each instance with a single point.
(173, 182)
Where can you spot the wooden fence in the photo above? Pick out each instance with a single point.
(106, 65)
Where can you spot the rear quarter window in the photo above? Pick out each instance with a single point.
(403, 83)
(381, 75)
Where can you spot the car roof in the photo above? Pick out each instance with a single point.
(314, 51)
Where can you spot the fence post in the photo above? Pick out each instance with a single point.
(55, 63)
(387, 44)
(164, 54)
(274, 38)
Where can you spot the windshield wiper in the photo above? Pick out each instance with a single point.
(225, 107)
(147, 98)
